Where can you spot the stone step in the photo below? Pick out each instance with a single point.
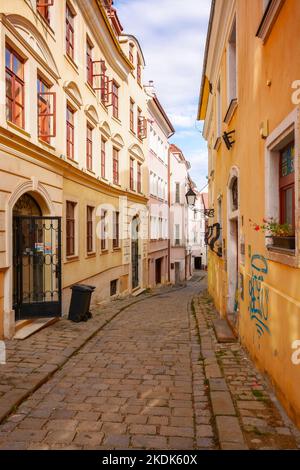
(34, 326)
(223, 332)
(138, 292)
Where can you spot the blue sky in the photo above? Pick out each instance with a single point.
(172, 34)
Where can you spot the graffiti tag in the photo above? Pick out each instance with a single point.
(259, 295)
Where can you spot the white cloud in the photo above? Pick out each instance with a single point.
(172, 35)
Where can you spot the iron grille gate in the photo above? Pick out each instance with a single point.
(135, 263)
(37, 266)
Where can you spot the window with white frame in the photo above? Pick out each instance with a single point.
(177, 234)
(232, 65)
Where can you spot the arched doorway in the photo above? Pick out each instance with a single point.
(135, 252)
(233, 246)
(36, 260)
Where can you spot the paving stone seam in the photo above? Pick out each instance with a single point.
(6, 411)
(201, 361)
(237, 415)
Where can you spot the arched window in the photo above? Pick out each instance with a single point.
(234, 194)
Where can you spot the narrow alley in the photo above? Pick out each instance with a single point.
(143, 382)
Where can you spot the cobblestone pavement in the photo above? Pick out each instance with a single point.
(154, 377)
(246, 413)
(129, 386)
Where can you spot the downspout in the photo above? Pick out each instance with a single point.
(169, 219)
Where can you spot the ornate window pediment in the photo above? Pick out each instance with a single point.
(118, 140)
(105, 129)
(136, 151)
(73, 91)
(92, 114)
(34, 40)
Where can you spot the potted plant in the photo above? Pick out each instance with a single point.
(282, 235)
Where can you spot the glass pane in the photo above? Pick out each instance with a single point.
(7, 58)
(287, 161)
(289, 194)
(8, 86)
(17, 67)
(8, 109)
(18, 93)
(18, 115)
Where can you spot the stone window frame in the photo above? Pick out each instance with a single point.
(274, 142)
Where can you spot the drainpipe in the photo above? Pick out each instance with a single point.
(169, 210)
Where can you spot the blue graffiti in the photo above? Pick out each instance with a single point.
(259, 295)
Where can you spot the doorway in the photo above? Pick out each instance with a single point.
(177, 273)
(158, 263)
(198, 262)
(135, 252)
(36, 261)
(232, 306)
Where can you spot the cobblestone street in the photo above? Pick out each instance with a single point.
(142, 381)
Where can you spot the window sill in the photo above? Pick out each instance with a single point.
(282, 256)
(117, 249)
(71, 259)
(269, 18)
(17, 128)
(217, 143)
(91, 254)
(104, 252)
(46, 24)
(90, 172)
(74, 162)
(72, 63)
(117, 120)
(49, 146)
(89, 86)
(231, 110)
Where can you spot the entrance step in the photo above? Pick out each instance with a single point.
(35, 325)
(21, 323)
(138, 292)
(223, 332)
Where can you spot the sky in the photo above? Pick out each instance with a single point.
(172, 34)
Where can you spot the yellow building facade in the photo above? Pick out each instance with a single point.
(73, 143)
(249, 103)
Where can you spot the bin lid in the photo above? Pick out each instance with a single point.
(83, 288)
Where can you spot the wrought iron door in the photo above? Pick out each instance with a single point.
(37, 266)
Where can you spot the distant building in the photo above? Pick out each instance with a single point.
(180, 250)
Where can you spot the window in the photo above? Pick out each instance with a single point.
(139, 70)
(103, 230)
(14, 77)
(177, 234)
(89, 147)
(160, 228)
(46, 111)
(139, 177)
(177, 193)
(116, 230)
(69, 32)
(131, 182)
(89, 63)
(287, 185)
(115, 99)
(131, 53)
(232, 65)
(103, 156)
(235, 194)
(113, 287)
(42, 7)
(70, 133)
(89, 229)
(70, 228)
(115, 166)
(131, 115)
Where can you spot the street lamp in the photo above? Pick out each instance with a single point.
(191, 198)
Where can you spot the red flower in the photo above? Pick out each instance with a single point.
(257, 228)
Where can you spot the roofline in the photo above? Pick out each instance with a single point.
(112, 33)
(163, 113)
(132, 37)
(209, 30)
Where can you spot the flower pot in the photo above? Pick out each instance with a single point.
(284, 242)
